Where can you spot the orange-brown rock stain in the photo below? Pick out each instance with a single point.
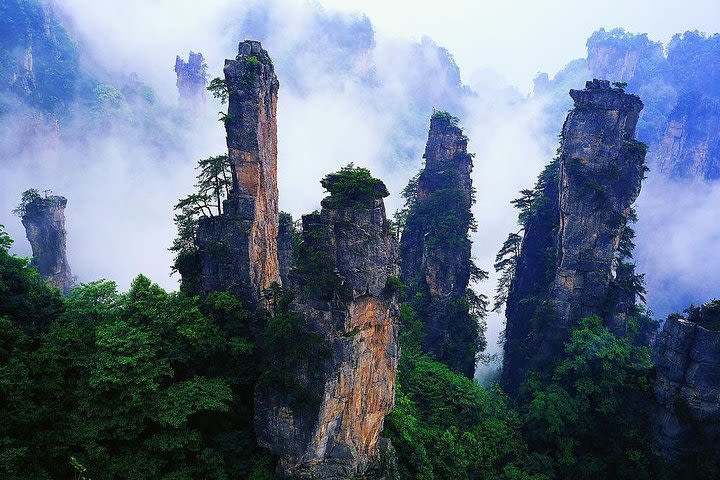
(362, 393)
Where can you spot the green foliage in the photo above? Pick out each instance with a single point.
(352, 187)
(218, 88)
(293, 354)
(214, 179)
(505, 263)
(224, 117)
(251, 61)
(534, 206)
(28, 197)
(445, 116)
(446, 426)
(409, 194)
(620, 84)
(707, 315)
(441, 223)
(214, 182)
(107, 99)
(56, 74)
(395, 285)
(599, 391)
(314, 264)
(143, 384)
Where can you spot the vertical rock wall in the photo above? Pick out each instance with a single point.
(338, 436)
(285, 246)
(690, 146)
(686, 418)
(44, 222)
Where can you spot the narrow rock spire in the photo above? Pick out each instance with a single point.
(238, 250)
(191, 81)
(44, 222)
(435, 247)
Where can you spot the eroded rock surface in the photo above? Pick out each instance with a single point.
(599, 175)
(44, 222)
(690, 146)
(336, 435)
(285, 246)
(191, 81)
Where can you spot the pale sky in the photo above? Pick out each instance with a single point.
(519, 38)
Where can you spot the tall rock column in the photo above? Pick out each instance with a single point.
(599, 175)
(322, 412)
(44, 222)
(435, 248)
(191, 81)
(238, 250)
(252, 146)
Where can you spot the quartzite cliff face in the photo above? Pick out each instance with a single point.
(686, 419)
(44, 222)
(690, 145)
(599, 176)
(238, 249)
(435, 248)
(336, 435)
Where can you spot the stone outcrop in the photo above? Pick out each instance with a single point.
(238, 249)
(599, 175)
(191, 81)
(686, 419)
(44, 222)
(349, 379)
(435, 248)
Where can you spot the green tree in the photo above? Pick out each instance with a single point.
(599, 391)
(218, 88)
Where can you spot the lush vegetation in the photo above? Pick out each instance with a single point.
(214, 182)
(34, 197)
(447, 426)
(535, 206)
(143, 384)
(352, 187)
(591, 418)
